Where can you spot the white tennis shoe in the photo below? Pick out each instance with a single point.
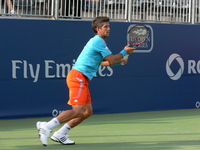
(43, 132)
(62, 138)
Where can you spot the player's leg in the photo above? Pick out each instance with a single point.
(61, 135)
(82, 111)
(76, 112)
(78, 89)
(80, 100)
(87, 113)
(79, 94)
(46, 127)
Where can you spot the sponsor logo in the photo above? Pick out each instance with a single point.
(176, 66)
(179, 60)
(147, 46)
(197, 104)
(140, 32)
(22, 69)
(56, 112)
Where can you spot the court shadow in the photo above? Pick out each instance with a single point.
(155, 117)
(154, 145)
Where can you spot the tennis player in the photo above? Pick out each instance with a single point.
(94, 54)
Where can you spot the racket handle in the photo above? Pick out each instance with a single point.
(125, 57)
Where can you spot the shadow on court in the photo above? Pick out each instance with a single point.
(173, 145)
(151, 117)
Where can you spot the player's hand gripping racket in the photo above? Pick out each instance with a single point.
(137, 35)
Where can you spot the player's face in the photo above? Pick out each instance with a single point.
(104, 31)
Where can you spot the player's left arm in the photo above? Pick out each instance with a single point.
(106, 62)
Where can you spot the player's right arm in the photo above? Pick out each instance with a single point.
(106, 63)
(118, 58)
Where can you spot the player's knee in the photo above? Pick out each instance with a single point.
(78, 114)
(88, 114)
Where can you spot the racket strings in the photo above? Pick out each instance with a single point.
(137, 35)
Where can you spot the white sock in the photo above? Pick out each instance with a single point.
(64, 129)
(52, 123)
(12, 11)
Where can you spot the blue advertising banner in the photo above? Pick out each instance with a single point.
(36, 55)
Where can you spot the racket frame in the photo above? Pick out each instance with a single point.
(140, 42)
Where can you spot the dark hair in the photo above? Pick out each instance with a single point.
(98, 22)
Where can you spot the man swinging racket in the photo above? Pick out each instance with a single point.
(94, 54)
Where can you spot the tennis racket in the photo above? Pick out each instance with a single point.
(137, 35)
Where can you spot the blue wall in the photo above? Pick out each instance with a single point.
(35, 56)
